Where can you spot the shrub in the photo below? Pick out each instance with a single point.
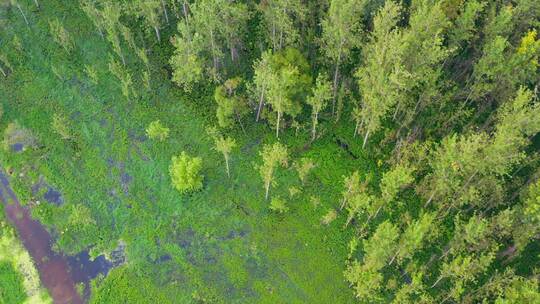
(329, 217)
(157, 131)
(278, 205)
(60, 125)
(185, 173)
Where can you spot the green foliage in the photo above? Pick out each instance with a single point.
(185, 172)
(157, 131)
(303, 167)
(11, 285)
(278, 205)
(60, 35)
(272, 156)
(124, 285)
(60, 125)
(231, 106)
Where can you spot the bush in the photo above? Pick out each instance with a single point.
(157, 131)
(185, 173)
(278, 205)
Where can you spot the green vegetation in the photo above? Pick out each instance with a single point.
(284, 151)
(11, 287)
(185, 174)
(19, 279)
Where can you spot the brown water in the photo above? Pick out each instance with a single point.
(54, 268)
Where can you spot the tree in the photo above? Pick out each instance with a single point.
(124, 76)
(395, 180)
(218, 22)
(366, 277)
(262, 75)
(412, 238)
(352, 187)
(303, 167)
(224, 145)
(156, 130)
(465, 24)
(272, 156)
(280, 19)
(150, 11)
(94, 14)
(321, 93)
(187, 65)
(16, 3)
(341, 32)
(111, 24)
(60, 35)
(278, 87)
(379, 79)
(185, 173)
(230, 105)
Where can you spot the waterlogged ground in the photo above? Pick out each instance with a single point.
(107, 186)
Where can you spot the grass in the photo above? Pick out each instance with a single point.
(221, 244)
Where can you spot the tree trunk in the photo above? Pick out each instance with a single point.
(429, 200)
(165, 11)
(37, 4)
(314, 129)
(227, 165)
(185, 10)
(156, 29)
(267, 186)
(437, 282)
(213, 51)
(277, 125)
(365, 139)
(336, 79)
(274, 35)
(3, 72)
(240, 123)
(260, 105)
(394, 257)
(22, 13)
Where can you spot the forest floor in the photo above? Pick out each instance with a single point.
(111, 186)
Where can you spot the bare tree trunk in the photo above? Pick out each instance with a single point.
(156, 29)
(274, 35)
(394, 257)
(277, 125)
(213, 51)
(336, 79)
(430, 198)
(314, 130)
(165, 11)
(3, 72)
(267, 186)
(185, 10)
(365, 139)
(22, 13)
(240, 123)
(437, 282)
(227, 165)
(260, 104)
(37, 4)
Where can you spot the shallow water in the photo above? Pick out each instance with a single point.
(58, 273)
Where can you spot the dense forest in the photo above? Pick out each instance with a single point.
(272, 151)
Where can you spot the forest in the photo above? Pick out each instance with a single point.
(269, 151)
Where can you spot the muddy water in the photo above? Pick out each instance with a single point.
(58, 273)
